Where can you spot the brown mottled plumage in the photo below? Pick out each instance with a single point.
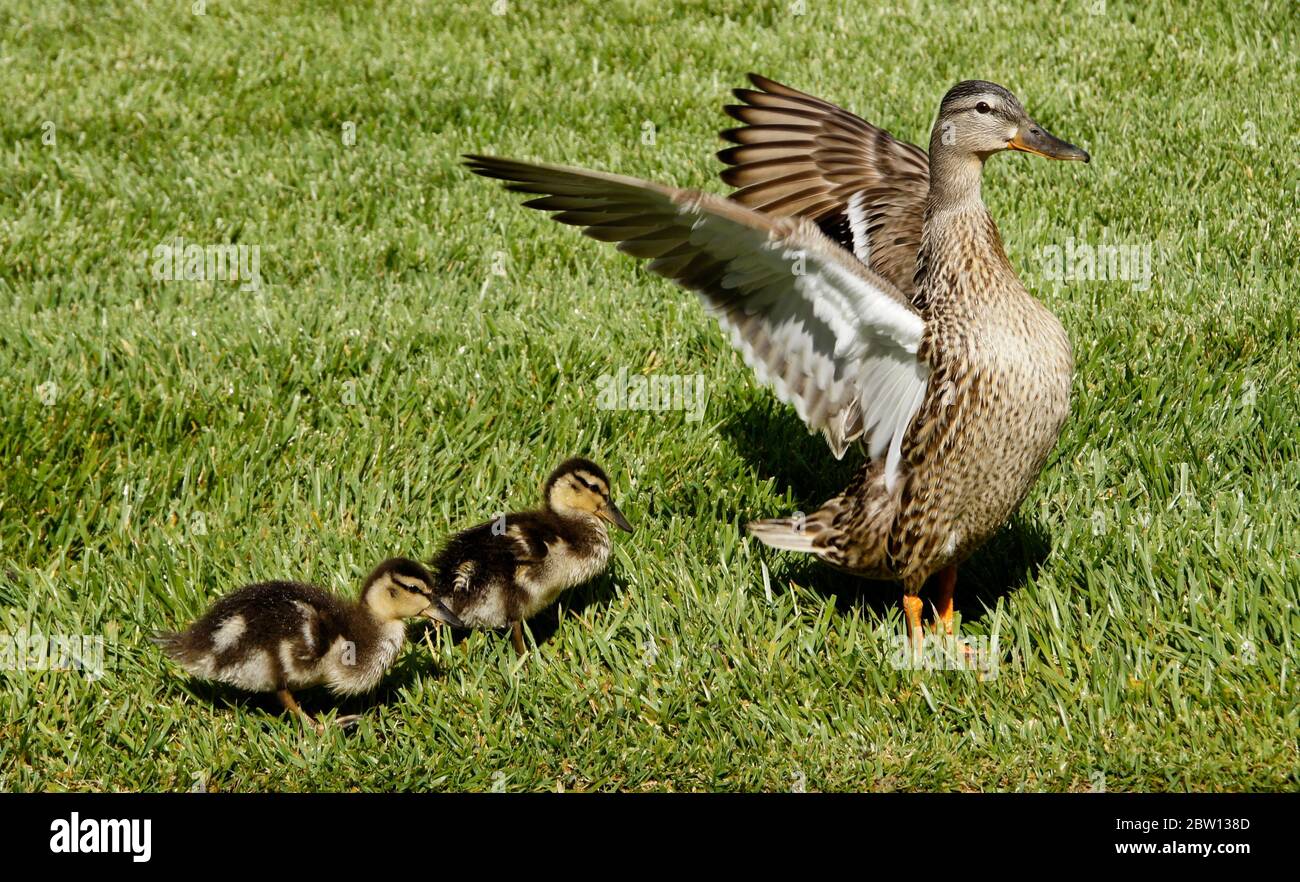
(503, 572)
(868, 286)
(799, 155)
(278, 636)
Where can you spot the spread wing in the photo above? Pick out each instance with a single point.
(830, 337)
(799, 155)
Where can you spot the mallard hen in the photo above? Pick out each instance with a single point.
(866, 283)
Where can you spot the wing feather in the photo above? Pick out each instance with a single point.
(800, 155)
(830, 337)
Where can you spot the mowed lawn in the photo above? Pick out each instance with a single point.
(421, 351)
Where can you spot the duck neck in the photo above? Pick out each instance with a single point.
(961, 256)
(581, 520)
(582, 527)
(955, 177)
(372, 632)
(371, 648)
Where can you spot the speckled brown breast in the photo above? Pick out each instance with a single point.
(998, 395)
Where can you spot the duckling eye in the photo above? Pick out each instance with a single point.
(982, 107)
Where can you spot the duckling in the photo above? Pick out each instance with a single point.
(503, 572)
(275, 635)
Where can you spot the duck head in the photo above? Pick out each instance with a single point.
(579, 486)
(977, 119)
(983, 118)
(400, 588)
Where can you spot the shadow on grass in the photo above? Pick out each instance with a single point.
(771, 438)
(775, 443)
(1004, 565)
(317, 700)
(219, 697)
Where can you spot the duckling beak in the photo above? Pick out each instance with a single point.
(609, 511)
(437, 610)
(1033, 138)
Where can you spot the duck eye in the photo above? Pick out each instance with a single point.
(982, 107)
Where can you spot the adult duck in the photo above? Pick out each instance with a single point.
(866, 283)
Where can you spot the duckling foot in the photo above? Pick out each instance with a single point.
(291, 704)
(517, 638)
(347, 720)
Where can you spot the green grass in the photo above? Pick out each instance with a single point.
(374, 395)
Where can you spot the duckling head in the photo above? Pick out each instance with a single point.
(978, 119)
(400, 588)
(580, 487)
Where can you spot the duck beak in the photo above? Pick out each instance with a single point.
(609, 511)
(437, 610)
(1033, 138)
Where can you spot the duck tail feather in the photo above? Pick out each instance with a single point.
(789, 534)
(173, 644)
(165, 639)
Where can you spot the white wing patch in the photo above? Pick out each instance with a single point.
(857, 211)
(828, 341)
(830, 336)
(228, 634)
